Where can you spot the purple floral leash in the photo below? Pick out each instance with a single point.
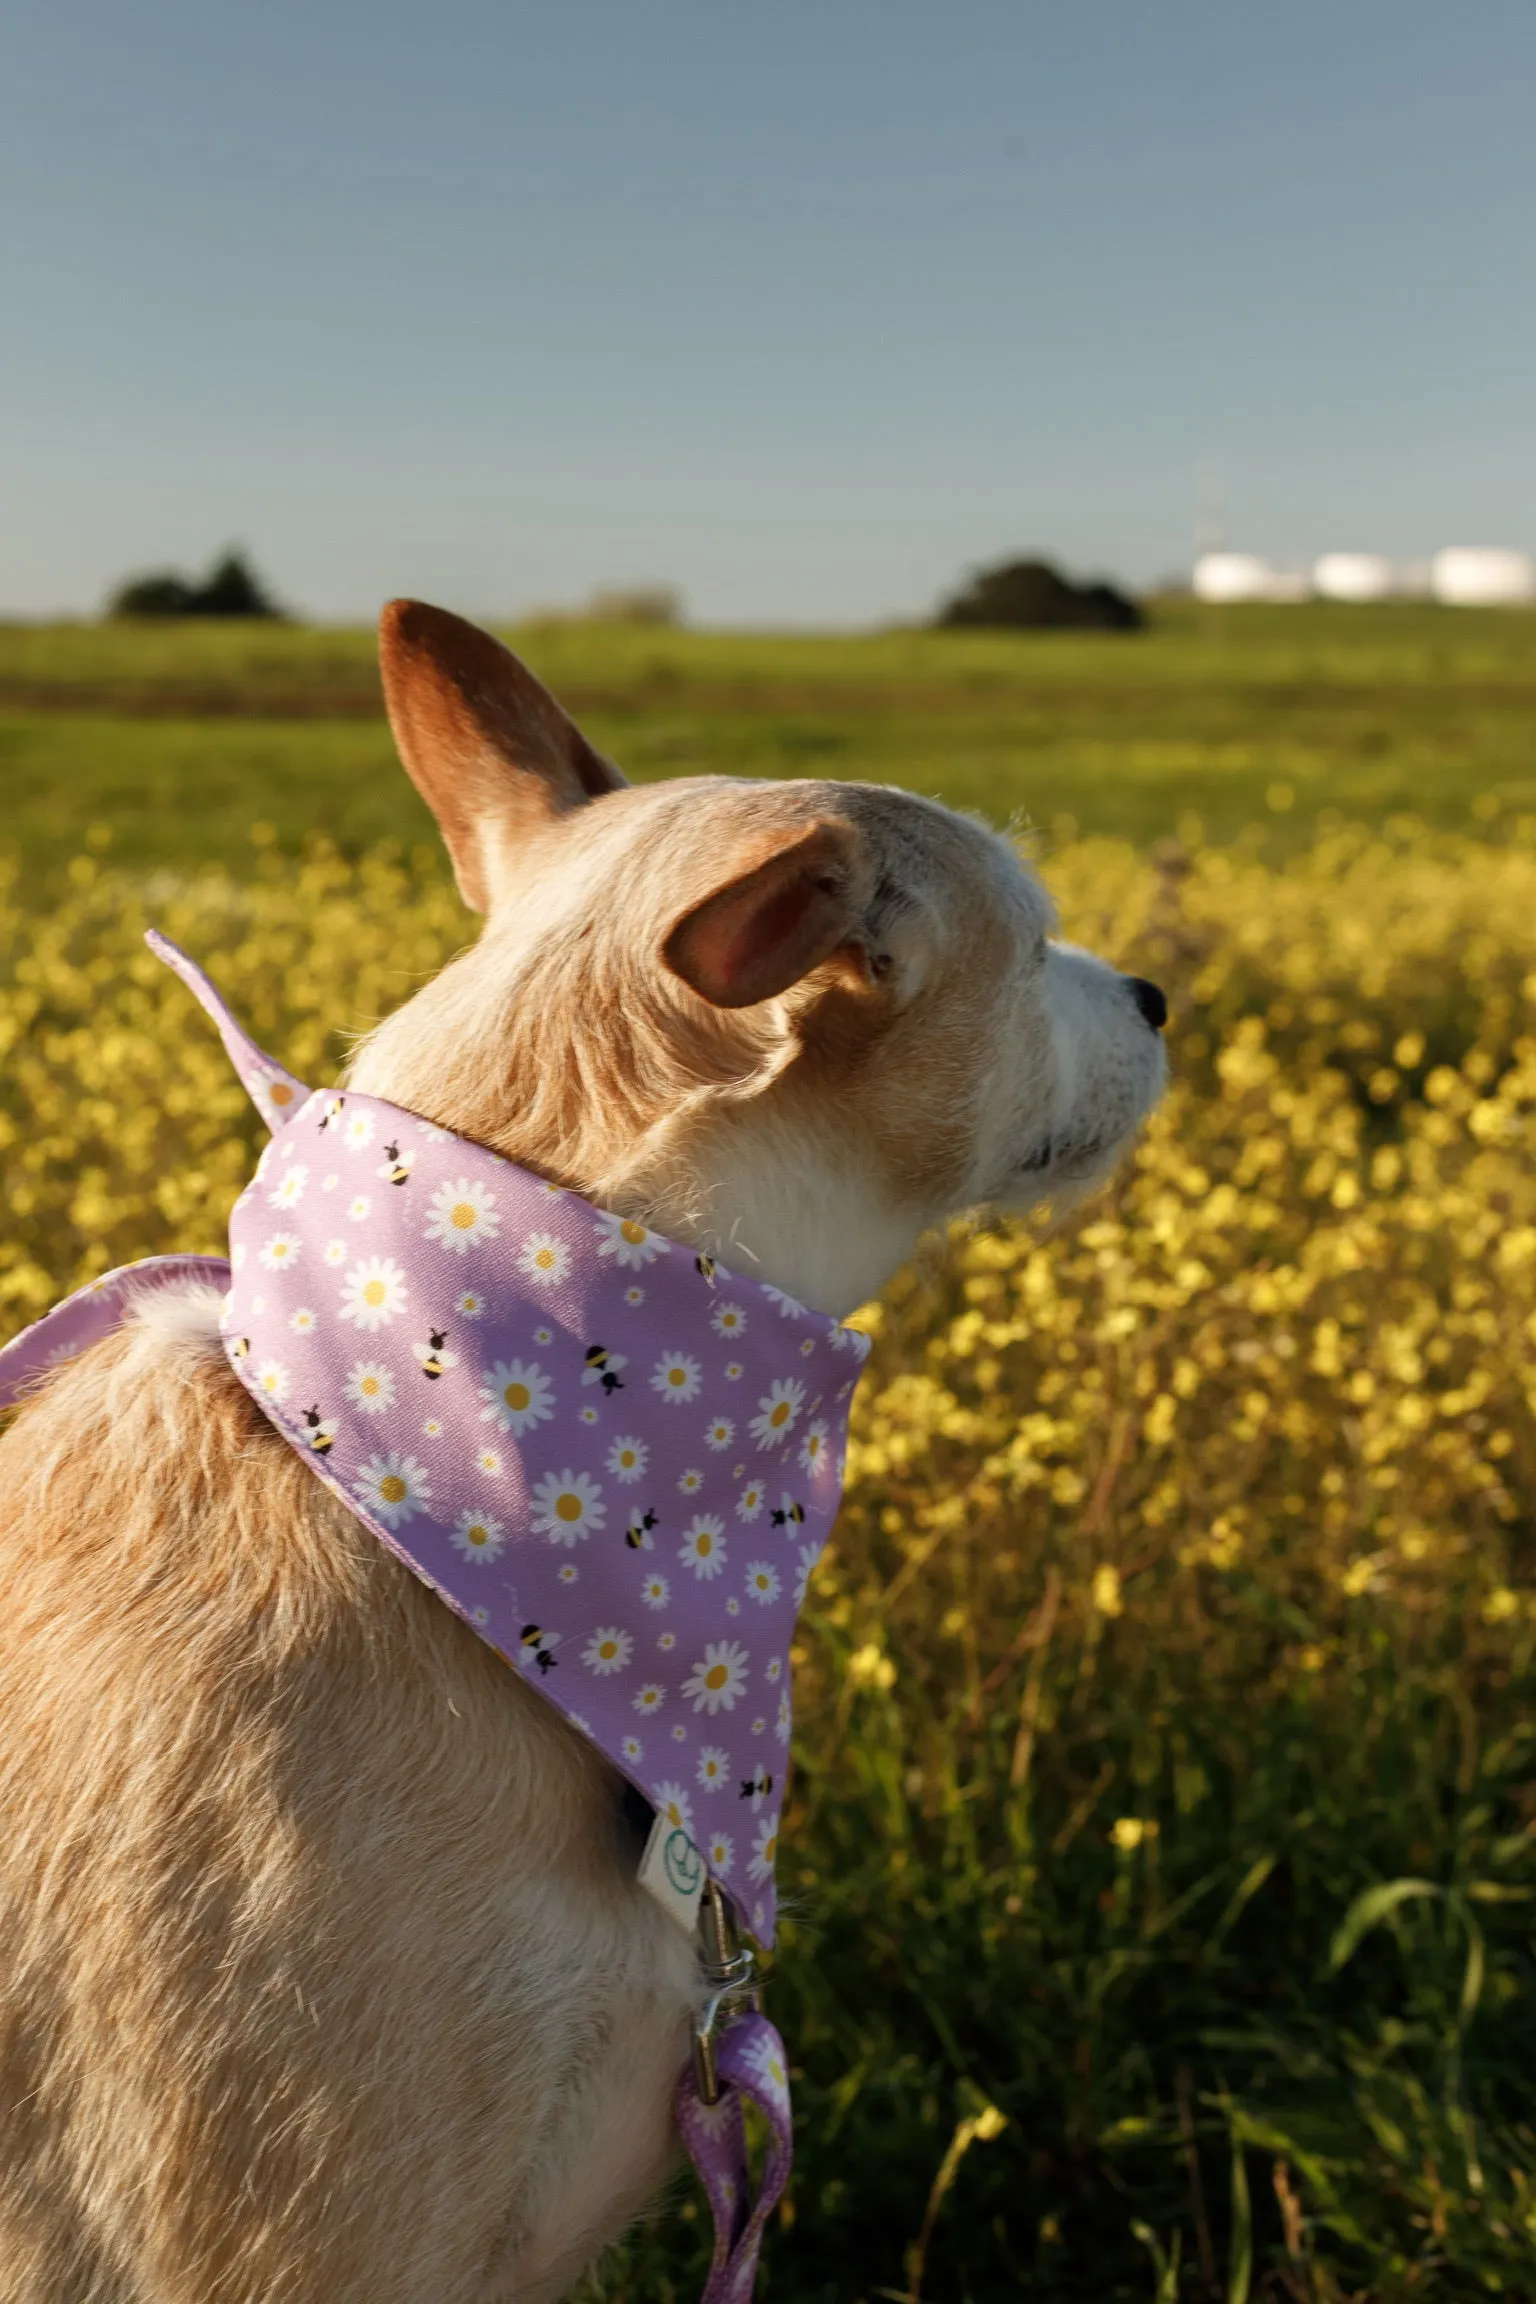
(752, 2068)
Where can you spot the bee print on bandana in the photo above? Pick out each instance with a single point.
(538, 1647)
(319, 1431)
(434, 1355)
(602, 1367)
(397, 1164)
(638, 1534)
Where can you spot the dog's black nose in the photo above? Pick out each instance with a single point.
(1149, 999)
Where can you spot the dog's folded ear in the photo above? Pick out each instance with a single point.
(483, 741)
(785, 914)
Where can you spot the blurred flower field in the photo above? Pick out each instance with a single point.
(1163, 1848)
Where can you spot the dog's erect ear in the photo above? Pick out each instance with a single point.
(788, 913)
(485, 744)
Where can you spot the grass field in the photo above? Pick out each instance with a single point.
(179, 740)
(1162, 1857)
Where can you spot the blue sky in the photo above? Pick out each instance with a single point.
(803, 308)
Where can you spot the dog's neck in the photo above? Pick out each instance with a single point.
(767, 1194)
(772, 1203)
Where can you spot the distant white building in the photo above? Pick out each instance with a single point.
(1353, 576)
(1482, 576)
(1463, 576)
(1227, 576)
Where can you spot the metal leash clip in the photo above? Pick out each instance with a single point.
(730, 1971)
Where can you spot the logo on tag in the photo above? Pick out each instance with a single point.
(672, 1870)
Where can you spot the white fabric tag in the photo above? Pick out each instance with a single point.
(672, 1870)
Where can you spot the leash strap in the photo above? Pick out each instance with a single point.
(752, 2069)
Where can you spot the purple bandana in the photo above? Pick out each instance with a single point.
(616, 1461)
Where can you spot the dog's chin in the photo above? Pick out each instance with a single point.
(1061, 1177)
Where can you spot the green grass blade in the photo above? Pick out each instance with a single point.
(1369, 1909)
(1240, 2254)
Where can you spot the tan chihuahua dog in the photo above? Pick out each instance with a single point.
(326, 1974)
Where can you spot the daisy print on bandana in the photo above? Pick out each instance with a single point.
(567, 1506)
(462, 1214)
(718, 1678)
(627, 1459)
(370, 1387)
(544, 1260)
(777, 1411)
(607, 1651)
(765, 1845)
(676, 1805)
(478, 1536)
(279, 1252)
(703, 1546)
(375, 1291)
(676, 1377)
(470, 1305)
(275, 1099)
(290, 1188)
(273, 1379)
(720, 1433)
(814, 1452)
(396, 1487)
(714, 1768)
(631, 1245)
(763, 1582)
(728, 1320)
(516, 1395)
(357, 1130)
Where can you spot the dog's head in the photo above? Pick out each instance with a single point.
(794, 1024)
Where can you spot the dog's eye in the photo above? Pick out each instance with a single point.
(879, 964)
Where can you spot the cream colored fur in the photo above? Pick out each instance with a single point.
(326, 1979)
